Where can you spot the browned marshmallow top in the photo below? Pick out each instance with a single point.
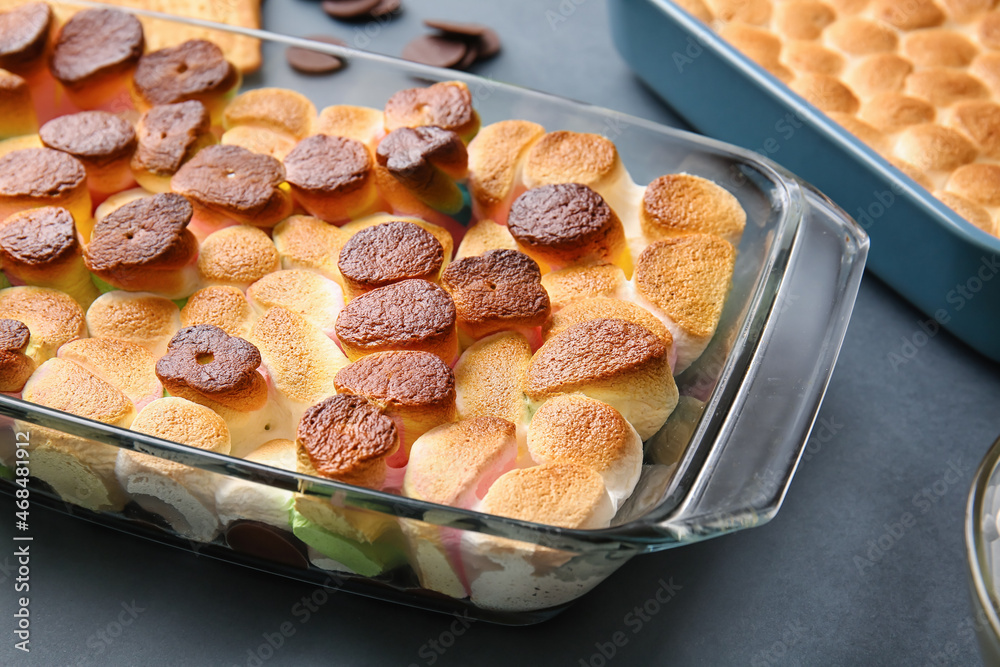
(91, 136)
(555, 494)
(591, 351)
(447, 105)
(678, 203)
(15, 366)
(178, 73)
(148, 233)
(222, 305)
(411, 154)
(563, 218)
(343, 435)
(387, 253)
(410, 379)
(204, 361)
(96, 42)
(231, 178)
(496, 290)
(40, 173)
(37, 237)
(407, 313)
(166, 133)
(329, 165)
(24, 30)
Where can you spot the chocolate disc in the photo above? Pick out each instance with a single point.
(489, 44)
(435, 50)
(348, 9)
(456, 28)
(471, 55)
(308, 61)
(385, 7)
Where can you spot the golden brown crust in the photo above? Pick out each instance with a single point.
(943, 86)
(222, 305)
(573, 428)
(39, 237)
(497, 290)
(65, 386)
(490, 377)
(399, 379)
(570, 157)
(145, 319)
(858, 36)
(986, 66)
(972, 212)
(931, 147)
(802, 19)
(193, 70)
(910, 15)
(126, 366)
(408, 315)
(230, 178)
(146, 234)
(40, 174)
(687, 277)
(494, 156)
(274, 108)
(938, 48)
(591, 351)
(681, 203)
(758, 44)
(328, 165)
(95, 43)
(388, 253)
(826, 93)
(599, 307)
(343, 437)
(555, 494)
(447, 105)
(981, 122)
(989, 31)
(891, 112)
(879, 73)
(342, 120)
(979, 183)
(803, 56)
(24, 32)
(565, 222)
(237, 255)
(179, 420)
(167, 134)
(204, 362)
(581, 282)
(307, 242)
(53, 317)
(966, 10)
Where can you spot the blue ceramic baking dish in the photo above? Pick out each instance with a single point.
(938, 261)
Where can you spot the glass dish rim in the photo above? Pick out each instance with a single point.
(738, 361)
(975, 547)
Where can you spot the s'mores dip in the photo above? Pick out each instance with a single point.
(484, 318)
(916, 80)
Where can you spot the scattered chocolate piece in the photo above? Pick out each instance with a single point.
(308, 61)
(481, 41)
(435, 50)
(349, 9)
(267, 542)
(385, 7)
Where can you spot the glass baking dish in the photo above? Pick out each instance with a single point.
(721, 463)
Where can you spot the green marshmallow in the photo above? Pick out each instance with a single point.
(367, 559)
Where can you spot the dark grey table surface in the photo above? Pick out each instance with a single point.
(834, 579)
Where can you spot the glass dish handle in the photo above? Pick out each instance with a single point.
(775, 414)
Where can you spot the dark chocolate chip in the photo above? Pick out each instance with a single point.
(385, 7)
(349, 9)
(471, 56)
(309, 61)
(435, 50)
(489, 44)
(456, 28)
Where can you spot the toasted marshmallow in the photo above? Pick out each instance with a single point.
(911, 16)
(301, 361)
(276, 109)
(415, 389)
(101, 141)
(489, 378)
(25, 33)
(146, 246)
(618, 362)
(194, 70)
(426, 161)
(395, 198)
(679, 204)
(169, 135)
(600, 307)
(259, 140)
(891, 112)
(447, 105)
(237, 499)
(139, 317)
(15, 366)
(182, 495)
(389, 253)
(879, 73)
(52, 318)
(454, 464)
(495, 158)
(225, 307)
(17, 115)
(116, 201)
(574, 157)
(81, 471)
(236, 256)
(331, 177)
(976, 182)
(939, 48)
(573, 428)
(304, 242)
(496, 291)
(126, 366)
(346, 438)
(309, 294)
(808, 56)
(863, 131)
(95, 54)
(40, 247)
(943, 86)
(980, 121)
(969, 210)
(362, 124)
(932, 147)
(826, 93)
(229, 184)
(34, 177)
(485, 235)
(858, 36)
(583, 282)
(684, 282)
(408, 315)
(567, 224)
(567, 495)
